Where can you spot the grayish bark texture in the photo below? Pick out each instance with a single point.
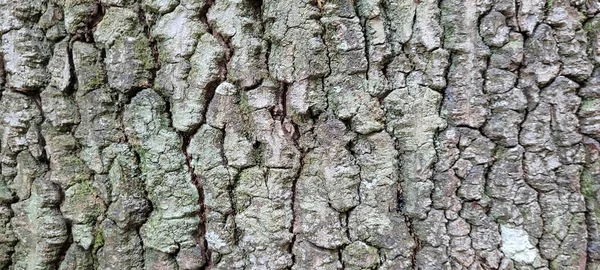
(299, 134)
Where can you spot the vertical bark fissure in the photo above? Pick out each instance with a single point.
(294, 208)
(201, 234)
(2, 73)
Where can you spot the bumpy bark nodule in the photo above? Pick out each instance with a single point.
(299, 134)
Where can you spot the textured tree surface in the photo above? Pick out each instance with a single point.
(299, 134)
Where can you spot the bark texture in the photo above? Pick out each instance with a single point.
(299, 134)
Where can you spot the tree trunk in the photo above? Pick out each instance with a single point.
(299, 134)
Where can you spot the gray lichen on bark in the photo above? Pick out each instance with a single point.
(299, 134)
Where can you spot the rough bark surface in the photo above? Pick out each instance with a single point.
(299, 134)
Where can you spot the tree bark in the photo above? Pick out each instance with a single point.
(299, 134)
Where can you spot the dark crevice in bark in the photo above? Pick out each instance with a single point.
(223, 71)
(387, 26)
(201, 233)
(209, 94)
(267, 54)
(87, 33)
(233, 200)
(203, 13)
(97, 16)
(72, 87)
(517, 10)
(294, 208)
(340, 258)
(279, 111)
(195, 178)
(257, 5)
(363, 28)
(414, 20)
(294, 204)
(155, 55)
(254, 86)
(187, 136)
(417, 241)
(2, 73)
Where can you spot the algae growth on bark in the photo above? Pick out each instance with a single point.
(299, 134)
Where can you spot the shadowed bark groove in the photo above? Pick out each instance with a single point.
(299, 134)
